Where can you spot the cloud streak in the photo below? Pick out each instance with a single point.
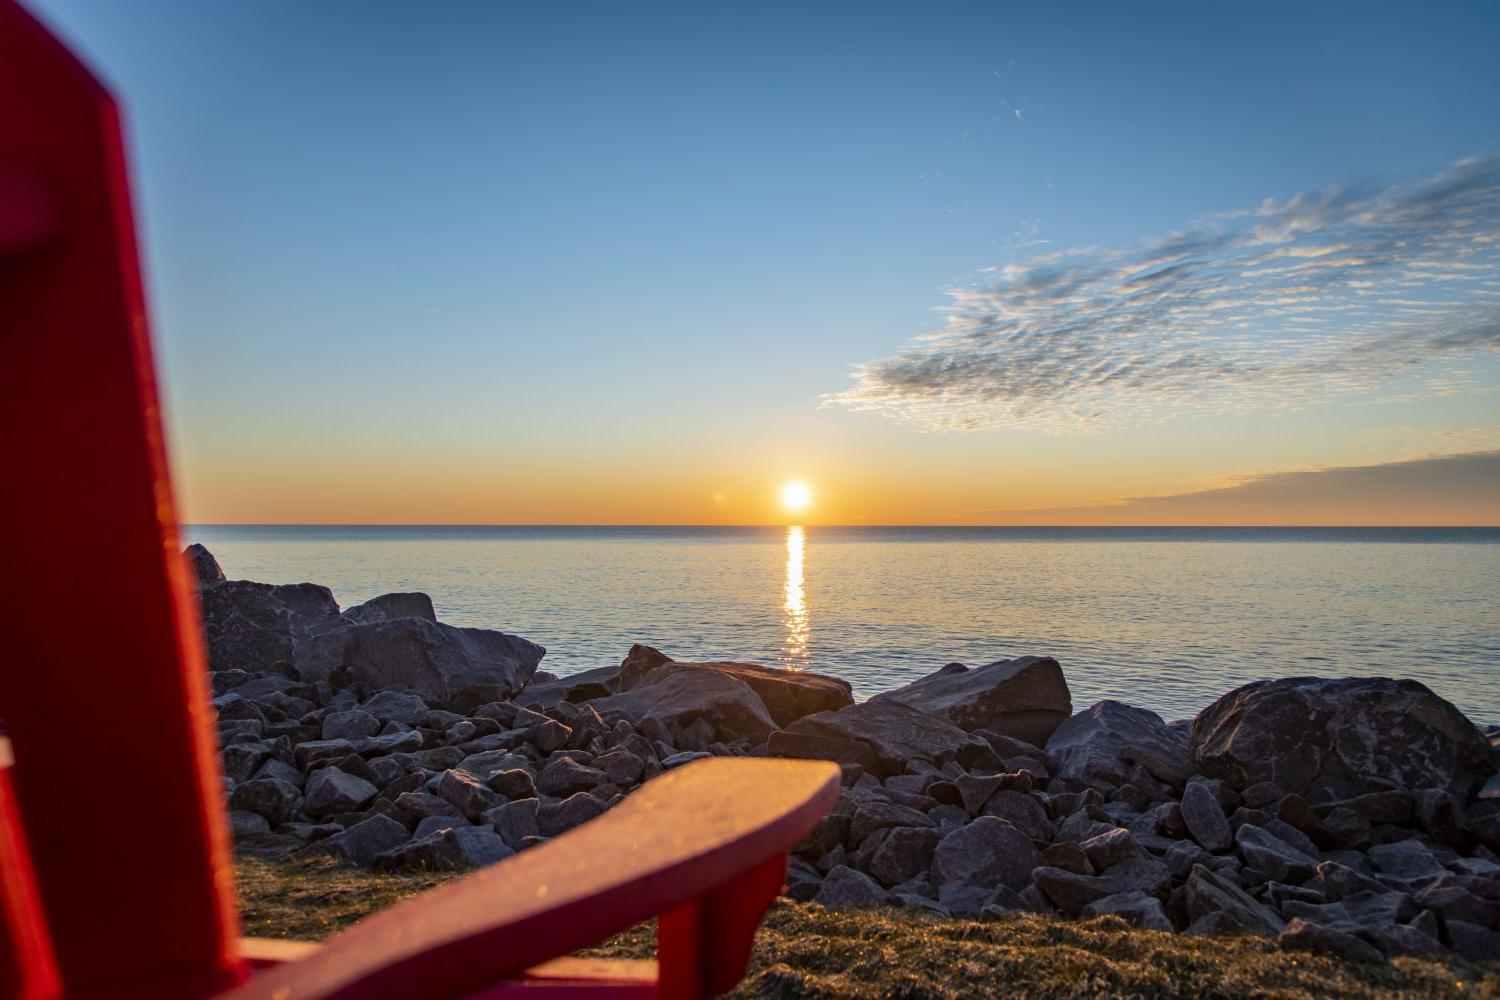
(1458, 489)
(1328, 293)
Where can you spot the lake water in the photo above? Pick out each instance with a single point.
(1164, 618)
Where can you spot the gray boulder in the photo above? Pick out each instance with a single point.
(1099, 739)
(257, 627)
(442, 663)
(388, 606)
(365, 840)
(1204, 817)
(1025, 698)
(272, 798)
(447, 849)
(986, 853)
(845, 887)
(895, 734)
(333, 790)
(1218, 900)
(788, 695)
(1337, 739)
(679, 699)
(202, 566)
(1135, 907)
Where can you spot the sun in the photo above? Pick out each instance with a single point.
(796, 496)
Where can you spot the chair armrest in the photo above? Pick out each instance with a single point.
(675, 840)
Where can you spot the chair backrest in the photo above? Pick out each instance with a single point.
(102, 683)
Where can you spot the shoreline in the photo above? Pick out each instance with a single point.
(1359, 816)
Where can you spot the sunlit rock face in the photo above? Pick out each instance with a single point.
(1025, 698)
(1335, 739)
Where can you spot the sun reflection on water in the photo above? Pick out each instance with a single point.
(795, 605)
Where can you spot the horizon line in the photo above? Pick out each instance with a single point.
(591, 524)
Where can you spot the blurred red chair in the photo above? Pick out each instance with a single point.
(115, 872)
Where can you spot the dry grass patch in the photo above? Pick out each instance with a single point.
(804, 950)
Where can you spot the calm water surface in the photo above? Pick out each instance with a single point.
(1164, 618)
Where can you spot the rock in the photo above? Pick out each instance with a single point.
(1268, 853)
(1068, 856)
(1440, 814)
(272, 798)
(447, 849)
(585, 686)
(1025, 698)
(555, 818)
(985, 853)
(281, 771)
(513, 783)
(1477, 944)
(1022, 811)
(877, 814)
(333, 790)
(1070, 892)
(1337, 739)
(1204, 817)
(974, 790)
(1453, 902)
(388, 606)
(1097, 738)
(677, 699)
(515, 821)
(621, 767)
(1107, 849)
(562, 776)
(439, 662)
(365, 840)
(257, 627)
(805, 746)
(243, 823)
(1136, 907)
(396, 706)
(845, 887)
(466, 792)
(1304, 935)
(241, 760)
(202, 566)
(1335, 881)
(788, 695)
(905, 853)
(1207, 893)
(1406, 859)
(897, 734)
(349, 725)
(421, 805)
(1143, 874)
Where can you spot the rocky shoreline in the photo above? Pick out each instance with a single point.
(1355, 816)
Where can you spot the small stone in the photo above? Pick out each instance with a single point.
(1304, 935)
(365, 840)
(905, 853)
(1110, 848)
(878, 815)
(514, 783)
(1069, 857)
(1070, 892)
(559, 817)
(845, 887)
(1406, 859)
(272, 798)
(1135, 907)
(332, 790)
(1278, 859)
(424, 804)
(243, 823)
(456, 847)
(563, 776)
(1204, 817)
(349, 725)
(515, 821)
(466, 792)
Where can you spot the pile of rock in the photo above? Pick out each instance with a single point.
(1358, 816)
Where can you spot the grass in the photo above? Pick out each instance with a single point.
(804, 950)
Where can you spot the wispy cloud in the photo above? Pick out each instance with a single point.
(1329, 292)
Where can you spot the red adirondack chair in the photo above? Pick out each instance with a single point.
(115, 872)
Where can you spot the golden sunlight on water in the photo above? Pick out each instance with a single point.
(795, 605)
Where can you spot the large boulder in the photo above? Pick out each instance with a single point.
(680, 699)
(442, 663)
(1025, 698)
(262, 626)
(1336, 739)
(1106, 737)
(388, 606)
(895, 733)
(787, 694)
(202, 566)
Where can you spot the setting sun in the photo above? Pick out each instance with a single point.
(796, 495)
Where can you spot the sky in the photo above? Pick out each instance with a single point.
(945, 263)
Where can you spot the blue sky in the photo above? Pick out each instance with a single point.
(520, 251)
